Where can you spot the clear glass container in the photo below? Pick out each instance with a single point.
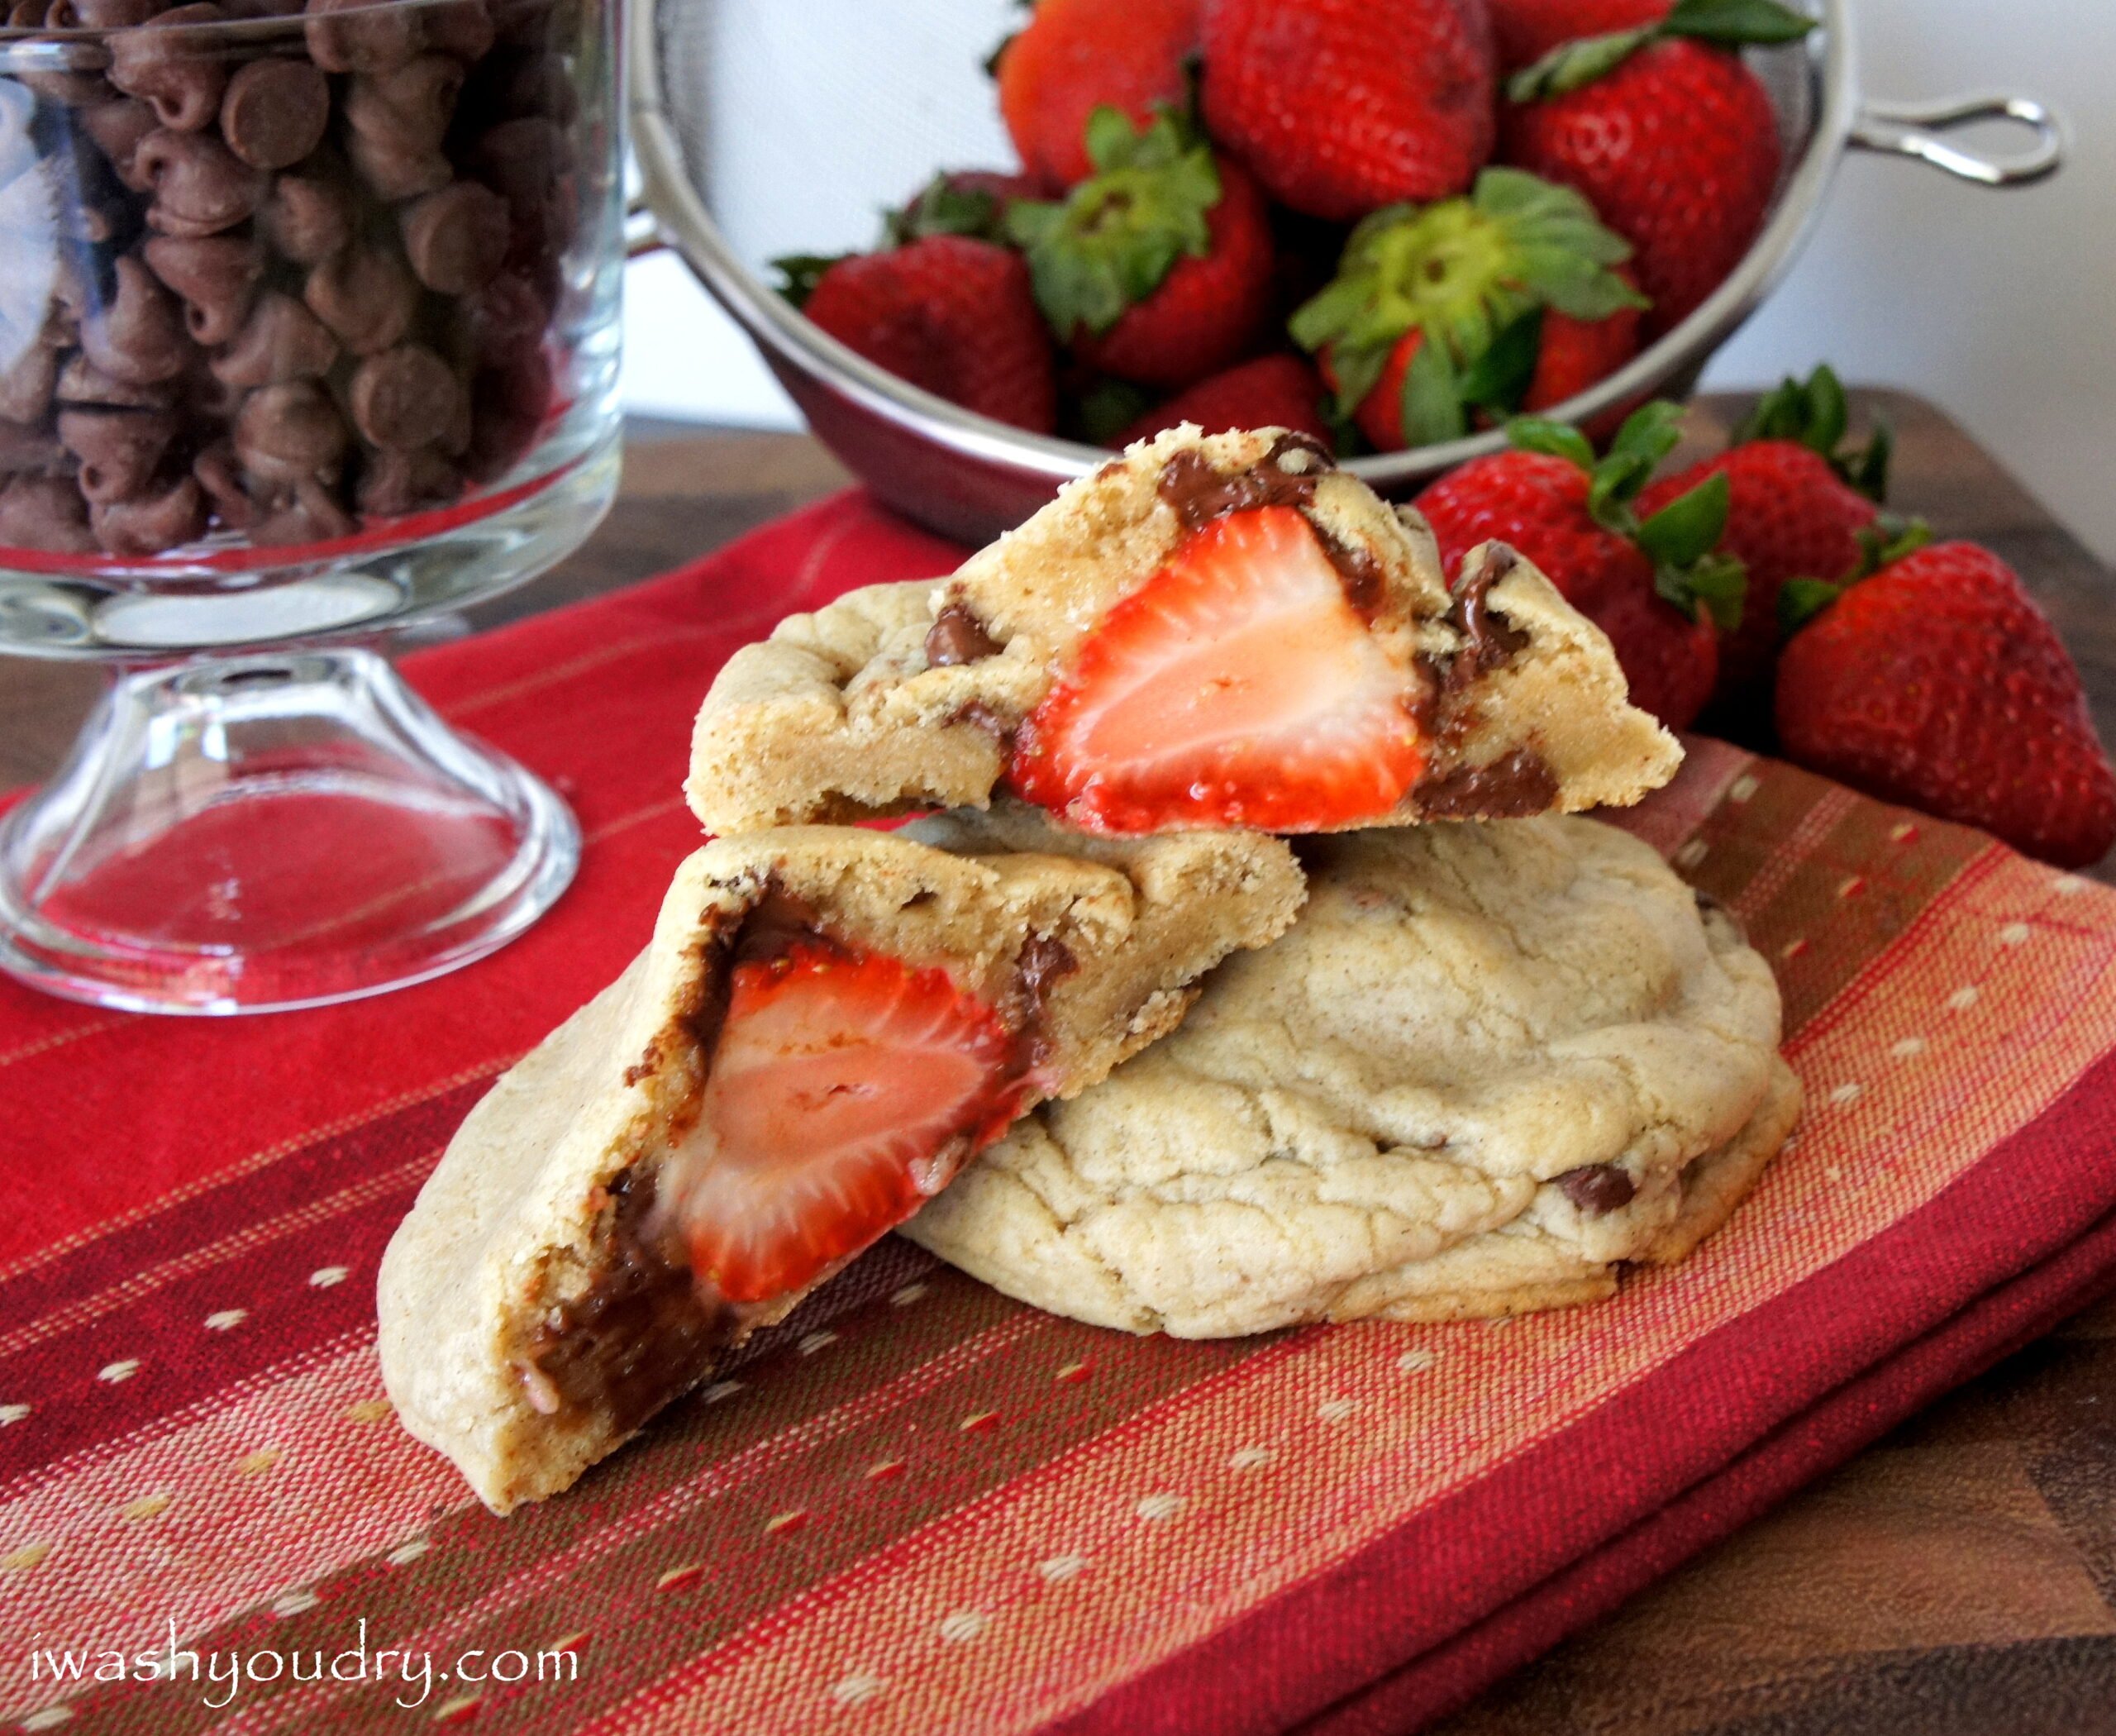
(308, 326)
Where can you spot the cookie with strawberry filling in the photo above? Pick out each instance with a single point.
(1487, 1068)
(1212, 632)
(826, 1025)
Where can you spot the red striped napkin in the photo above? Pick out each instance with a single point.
(917, 1506)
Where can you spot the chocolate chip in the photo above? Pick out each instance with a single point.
(1597, 1189)
(216, 276)
(25, 389)
(521, 159)
(405, 398)
(81, 381)
(410, 105)
(44, 512)
(311, 513)
(392, 483)
(120, 450)
(365, 296)
(23, 450)
(275, 112)
(200, 186)
(455, 239)
(219, 474)
(500, 321)
(102, 14)
(462, 28)
(307, 218)
(957, 636)
(177, 70)
(282, 340)
(118, 128)
(151, 522)
(137, 334)
(285, 433)
(361, 36)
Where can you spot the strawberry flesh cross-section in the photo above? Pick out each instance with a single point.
(844, 1090)
(1238, 686)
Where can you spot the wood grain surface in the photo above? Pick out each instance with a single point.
(1958, 1578)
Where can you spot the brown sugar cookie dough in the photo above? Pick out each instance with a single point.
(1488, 1067)
(901, 697)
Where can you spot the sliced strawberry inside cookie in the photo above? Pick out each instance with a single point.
(1238, 686)
(845, 1090)
(1212, 632)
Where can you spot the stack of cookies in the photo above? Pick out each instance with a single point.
(1248, 974)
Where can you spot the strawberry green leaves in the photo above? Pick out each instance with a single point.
(1114, 238)
(1681, 538)
(800, 273)
(1467, 274)
(1816, 413)
(1723, 23)
(1886, 541)
(943, 208)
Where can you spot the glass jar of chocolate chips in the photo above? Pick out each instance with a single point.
(307, 314)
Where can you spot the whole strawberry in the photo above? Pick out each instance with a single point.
(1075, 56)
(1669, 136)
(1801, 506)
(1340, 106)
(1158, 268)
(1272, 391)
(1525, 31)
(1939, 683)
(1652, 586)
(954, 316)
(1442, 311)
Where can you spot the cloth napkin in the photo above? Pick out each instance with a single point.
(917, 1506)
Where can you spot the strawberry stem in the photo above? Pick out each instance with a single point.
(802, 271)
(1816, 413)
(1465, 272)
(1680, 538)
(1114, 238)
(944, 209)
(1723, 23)
(1800, 600)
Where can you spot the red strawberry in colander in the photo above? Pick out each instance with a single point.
(1669, 136)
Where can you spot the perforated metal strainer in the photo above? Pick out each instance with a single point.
(765, 127)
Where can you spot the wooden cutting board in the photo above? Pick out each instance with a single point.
(1958, 1579)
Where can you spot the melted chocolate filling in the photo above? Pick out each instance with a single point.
(1489, 641)
(642, 1332)
(957, 636)
(1199, 494)
(1597, 1189)
(1515, 786)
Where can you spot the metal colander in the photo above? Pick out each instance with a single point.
(765, 127)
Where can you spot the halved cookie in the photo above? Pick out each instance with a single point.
(828, 1022)
(1220, 631)
(1487, 1067)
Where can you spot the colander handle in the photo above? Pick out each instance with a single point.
(1914, 130)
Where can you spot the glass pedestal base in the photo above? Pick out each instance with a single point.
(268, 831)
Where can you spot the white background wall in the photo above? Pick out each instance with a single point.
(2000, 307)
